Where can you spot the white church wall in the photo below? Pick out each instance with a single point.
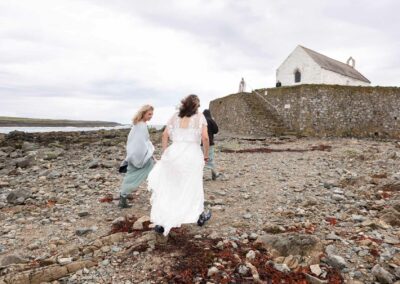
(329, 77)
(299, 59)
(311, 72)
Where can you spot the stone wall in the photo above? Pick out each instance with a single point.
(245, 114)
(313, 110)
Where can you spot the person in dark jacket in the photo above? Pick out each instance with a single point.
(212, 128)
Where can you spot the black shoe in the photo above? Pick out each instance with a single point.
(123, 202)
(204, 217)
(214, 175)
(159, 229)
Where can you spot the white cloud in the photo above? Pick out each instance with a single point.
(101, 60)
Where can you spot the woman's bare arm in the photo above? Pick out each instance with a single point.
(165, 138)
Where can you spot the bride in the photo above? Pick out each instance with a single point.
(176, 181)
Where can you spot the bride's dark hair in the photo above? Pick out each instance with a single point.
(189, 106)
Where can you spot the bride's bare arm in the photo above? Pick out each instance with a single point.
(165, 137)
(206, 141)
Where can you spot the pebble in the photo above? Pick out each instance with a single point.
(247, 216)
(83, 231)
(251, 255)
(243, 269)
(213, 270)
(336, 261)
(316, 269)
(338, 197)
(64, 261)
(83, 214)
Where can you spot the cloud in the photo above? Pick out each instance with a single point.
(103, 59)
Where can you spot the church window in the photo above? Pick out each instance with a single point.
(297, 76)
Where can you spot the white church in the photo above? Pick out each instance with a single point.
(306, 66)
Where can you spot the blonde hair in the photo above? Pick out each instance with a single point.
(141, 112)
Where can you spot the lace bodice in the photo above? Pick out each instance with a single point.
(192, 133)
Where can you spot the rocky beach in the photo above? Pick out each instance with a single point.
(285, 210)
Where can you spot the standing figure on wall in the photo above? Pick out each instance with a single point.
(242, 86)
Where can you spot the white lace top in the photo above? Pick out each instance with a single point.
(192, 133)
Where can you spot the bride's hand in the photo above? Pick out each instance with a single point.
(206, 159)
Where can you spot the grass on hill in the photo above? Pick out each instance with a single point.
(22, 121)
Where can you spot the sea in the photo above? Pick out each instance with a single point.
(33, 129)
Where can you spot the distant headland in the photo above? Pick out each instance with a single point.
(6, 121)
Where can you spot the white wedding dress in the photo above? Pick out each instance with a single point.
(176, 181)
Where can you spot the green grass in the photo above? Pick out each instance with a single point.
(22, 121)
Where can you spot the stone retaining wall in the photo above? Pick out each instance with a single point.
(313, 110)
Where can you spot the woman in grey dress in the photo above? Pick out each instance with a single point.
(139, 154)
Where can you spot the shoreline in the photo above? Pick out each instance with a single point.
(38, 122)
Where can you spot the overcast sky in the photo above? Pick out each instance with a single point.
(102, 59)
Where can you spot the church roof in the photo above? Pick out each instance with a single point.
(334, 65)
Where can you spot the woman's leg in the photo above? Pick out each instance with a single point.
(133, 178)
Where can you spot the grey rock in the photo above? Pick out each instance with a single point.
(251, 255)
(54, 175)
(332, 236)
(358, 274)
(83, 231)
(358, 218)
(64, 260)
(118, 221)
(282, 267)
(4, 184)
(12, 259)
(381, 275)
(330, 184)
(397, 272)
(291, 244)
(109, 164)
(243, 269)
(314, 280)
(247, 216)
(338, 191)
(316, 269)
(83, 214)
(18, 197)
(93, 164)
(253, 236)
(336, 261)
(14, 155)
(34, 245)
(28, 146)
(212, 271)
(363, 253)
(24, 162)
(52, 155)
(338, 197)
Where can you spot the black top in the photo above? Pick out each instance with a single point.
(212, 126)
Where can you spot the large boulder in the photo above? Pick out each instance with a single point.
(291, 244)
(381, 275)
